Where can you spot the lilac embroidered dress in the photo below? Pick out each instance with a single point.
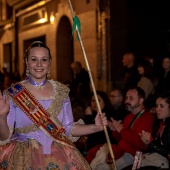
(33, 149)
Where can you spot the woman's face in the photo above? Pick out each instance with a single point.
(162, 109)
(38, 63)
(166, 64)
(140, 70)
(94, 105)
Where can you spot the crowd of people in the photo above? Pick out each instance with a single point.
(138, 118)
(50, 125)
(6, 79)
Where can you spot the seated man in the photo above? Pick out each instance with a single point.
(126, 133)
(118, 107)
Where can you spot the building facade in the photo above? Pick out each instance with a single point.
(109, 28)
(50, 21)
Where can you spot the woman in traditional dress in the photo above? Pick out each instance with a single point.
(36, 122)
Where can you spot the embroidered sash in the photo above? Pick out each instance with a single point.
(37, 113)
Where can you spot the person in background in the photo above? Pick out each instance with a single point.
(150, 59)
(118, 107)
(7, 79)
(164, 76)
(116, 97)
(90, 114)
(16, 76)
(154, 64)
(37, 129)
(131, 77)
(147, 82)
(126, 134)
(158, 142)
(77, 108)
(80, 83)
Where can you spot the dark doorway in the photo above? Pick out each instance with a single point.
(8, 57)
(64, 50)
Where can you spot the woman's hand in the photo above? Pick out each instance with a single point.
(100, 121)
(4, 105)
(145, 137)
(116, 125)
(111, 124)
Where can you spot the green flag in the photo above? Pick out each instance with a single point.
(76, 23)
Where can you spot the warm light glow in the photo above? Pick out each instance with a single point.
(42, 20)
(8, 26)
(52, 18)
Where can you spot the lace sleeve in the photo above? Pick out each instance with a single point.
(7, 140)
(74, 139)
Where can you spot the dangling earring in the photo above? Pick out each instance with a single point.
(48, 74)
(27, 72)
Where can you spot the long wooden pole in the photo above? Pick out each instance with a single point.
(94, 90)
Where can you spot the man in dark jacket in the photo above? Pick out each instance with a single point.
(80, 86)
(131, 76)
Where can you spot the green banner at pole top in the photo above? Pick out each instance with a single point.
(76, 22)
